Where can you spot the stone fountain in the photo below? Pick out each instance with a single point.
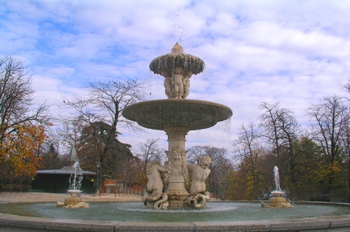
(177, 116)
(74, 201)
(277, 200)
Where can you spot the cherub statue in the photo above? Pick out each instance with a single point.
(167, 84)
(155, 183)
(200, 174)
(186, 82)
(199, 196)
(178, 82)
(177, 86)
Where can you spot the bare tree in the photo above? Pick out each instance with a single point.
(283, 131)
(290, 131)
(131, 171)
(150, 151)
(345, 141)
(16, 98)
(104, 103)
(248, 147)
(269, 121)
(345, 136)
(194, 154)
(330, 121)
(281, 128)
(249, 140)
(347, 86)
(69, 132)
(219, 181)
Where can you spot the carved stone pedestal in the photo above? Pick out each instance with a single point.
(73, 201)
(177, 177)
(277, 202)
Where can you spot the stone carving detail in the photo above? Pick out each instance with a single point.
(74, 201)
(199, 200)
(78, 205)
(155, 197)
(177, 165)
(177, 85)
(200, 173)
(162, 203)
(177, 68)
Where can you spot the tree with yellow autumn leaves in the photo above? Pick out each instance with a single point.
(21, 127)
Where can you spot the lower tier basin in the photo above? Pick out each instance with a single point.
(133, 216)
(136, 212)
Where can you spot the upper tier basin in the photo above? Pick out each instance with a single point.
(194, 114)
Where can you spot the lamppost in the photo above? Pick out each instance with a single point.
(130, 181)
(345, 173)
(98, 165)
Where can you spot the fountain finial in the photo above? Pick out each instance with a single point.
(177, 49)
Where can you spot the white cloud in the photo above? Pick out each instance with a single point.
(292, 52)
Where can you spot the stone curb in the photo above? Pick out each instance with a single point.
(19, 223)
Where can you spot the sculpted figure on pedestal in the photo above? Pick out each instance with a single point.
(186, 82)
(167, 84)
(155, 183)
(155, 195)
(177, 86)
(178, 82)
(200, 173)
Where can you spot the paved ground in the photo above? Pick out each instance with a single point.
(53, 197)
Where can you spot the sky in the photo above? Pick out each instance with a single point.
(291, 52)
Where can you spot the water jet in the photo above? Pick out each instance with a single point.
(277, 200)
(74, 201)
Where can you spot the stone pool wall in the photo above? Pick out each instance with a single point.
(29, 224)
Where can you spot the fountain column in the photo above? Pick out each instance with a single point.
(177, 177)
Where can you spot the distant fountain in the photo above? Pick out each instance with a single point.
(177, 116)
(74, 201)
(277, 179)
(277, 201)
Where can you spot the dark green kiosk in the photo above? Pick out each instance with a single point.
(57, 180)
